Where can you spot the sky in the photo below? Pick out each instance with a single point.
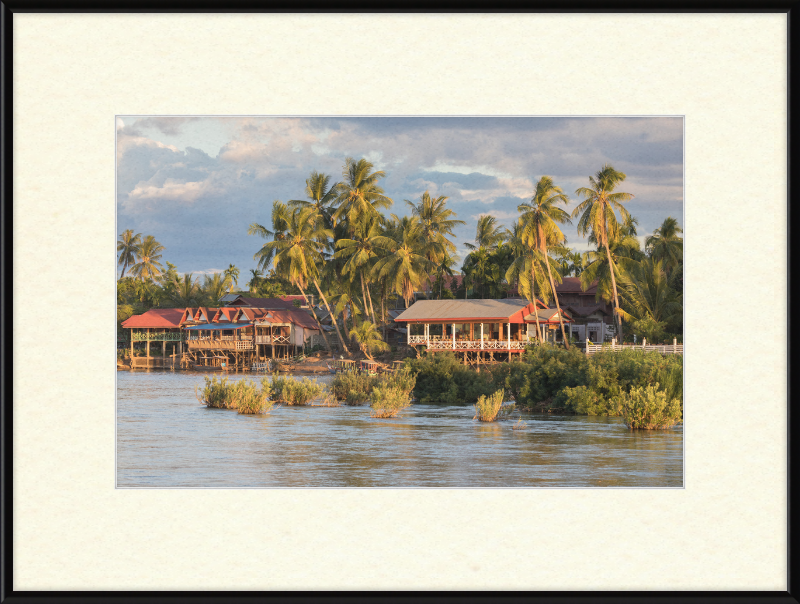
(197, 183)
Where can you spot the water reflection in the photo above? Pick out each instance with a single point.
(167, 438)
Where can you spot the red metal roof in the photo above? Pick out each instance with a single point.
(572, 285)
(155, 317)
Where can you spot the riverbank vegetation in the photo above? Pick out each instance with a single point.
(549, 378)
(388, 400)
(356, 387)
(488, 407)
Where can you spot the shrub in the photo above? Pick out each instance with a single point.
(387, 401)
(243, 395)
(441, 378)
(402, 379)
(545, 370)
(353, 387)
(249, 399)
(649, 409)
(292, 391)
(488, 407)
(584, 401)
(214, 393)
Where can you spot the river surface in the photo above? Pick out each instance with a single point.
(167, 439)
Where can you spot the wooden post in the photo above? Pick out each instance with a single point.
(587, 345)
(131, 347)
(147, 346)
(644, 343)
(509, 339)
(481, 336)
(272, 339)
(454, 336)
(674, 345)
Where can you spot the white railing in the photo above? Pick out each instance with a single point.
(416, 339)
(476, 345)
(244, 345)
(263, 340)
(662, 348)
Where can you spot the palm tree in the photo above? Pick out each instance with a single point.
(186, 291)
(368, 338)
(232, 274)
(623, 253)
(321, 197)
(255, 280)
(488, 234)
(406, 262)
(281, 217)
(298, 254)
(361, 252)
(597, 215)
(359, 193)
(148, 266)
(437, 223)
(214, 287)
(665, 244)
(647, 292)
(540, 219)
(128, 248)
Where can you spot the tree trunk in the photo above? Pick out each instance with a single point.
(333, 318)
(555, 296)
(535, 303)
(383, 313)
(371, 308)
(364, 296)
(322, 331)
(614, 289)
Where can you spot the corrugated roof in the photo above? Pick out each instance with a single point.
(155, 317)
(209, 326)
(572, 285)
(462, 309)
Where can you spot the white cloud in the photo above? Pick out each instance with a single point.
(171, 190)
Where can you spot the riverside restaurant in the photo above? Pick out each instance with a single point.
(480, 331)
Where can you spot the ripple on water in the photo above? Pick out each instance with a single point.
(166, 438)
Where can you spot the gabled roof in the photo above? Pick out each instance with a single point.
(548, 315)
(572, 285)
(155, 317)
(446, 310)
(275, 303)
(585, 311)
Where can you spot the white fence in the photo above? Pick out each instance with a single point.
(474, 345)
(673, 348)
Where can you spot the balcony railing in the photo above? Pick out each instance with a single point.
(170, 336)
(475, 345)
(220, 344)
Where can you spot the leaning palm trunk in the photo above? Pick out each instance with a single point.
(555, 297)
(614, 289)
(333, 318)
(322, 331)
(535, 304)
(371, 309)
(364, 294)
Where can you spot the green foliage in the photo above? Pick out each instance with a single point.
(293, 391)
(388, 400)
(215, 393)
(488, 407)
(441, 378)
(124, 312)
(583, 401)
(649, 408)
(355, 387)
(546, 370)
(368, 338)
(243, 395)
(649, 328)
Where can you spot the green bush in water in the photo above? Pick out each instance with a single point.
(353, 387)
(441, 378)
(649, 409)
(356, 388)
(214, 393)
(487, 408)
(387, 401)
(584, 401)
(292, 391)
(249, 399)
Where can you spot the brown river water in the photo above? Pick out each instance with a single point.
(167, 439)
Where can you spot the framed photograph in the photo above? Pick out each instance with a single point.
(300, 247)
